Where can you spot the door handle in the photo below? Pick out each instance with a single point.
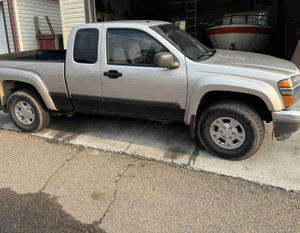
(114, 74)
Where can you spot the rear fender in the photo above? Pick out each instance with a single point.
(16, 75)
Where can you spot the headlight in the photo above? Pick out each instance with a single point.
(296, 81)
(290, 90)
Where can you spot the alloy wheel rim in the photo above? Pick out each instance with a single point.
(24, 113)
(228, 133)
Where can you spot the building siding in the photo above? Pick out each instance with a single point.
(26, 10)
(3, 35)
(72, 13)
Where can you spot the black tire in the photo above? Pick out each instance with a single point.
(42, 116)
(249, 119)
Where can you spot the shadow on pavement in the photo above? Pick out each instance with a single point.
(171, 136)
(36, 213)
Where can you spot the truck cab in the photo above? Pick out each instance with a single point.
(121, 77)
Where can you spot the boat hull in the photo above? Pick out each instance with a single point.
(240, 37)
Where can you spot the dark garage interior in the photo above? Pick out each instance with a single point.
(196, 16)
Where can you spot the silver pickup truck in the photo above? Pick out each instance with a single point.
(153, 70)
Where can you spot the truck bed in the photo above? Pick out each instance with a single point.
(43, 67)
(37, 55)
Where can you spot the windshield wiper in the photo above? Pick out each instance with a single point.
(206, 53)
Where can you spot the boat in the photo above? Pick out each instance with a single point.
(243, 32)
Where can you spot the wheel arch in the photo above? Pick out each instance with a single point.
(213, 97)
(17, 79)
(226, 86)
(251, 100)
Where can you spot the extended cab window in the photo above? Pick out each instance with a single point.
(130, 47)
(86, 46)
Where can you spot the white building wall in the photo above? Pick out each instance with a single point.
(26, 10)
(8, 25)
(72, 13)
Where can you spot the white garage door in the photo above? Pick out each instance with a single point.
(3, 39)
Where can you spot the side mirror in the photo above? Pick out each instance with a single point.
(165, 60)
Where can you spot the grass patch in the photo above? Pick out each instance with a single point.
(1, 108)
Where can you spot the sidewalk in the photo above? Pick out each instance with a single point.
(46, 186)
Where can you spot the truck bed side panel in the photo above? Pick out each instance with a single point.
(51, 74)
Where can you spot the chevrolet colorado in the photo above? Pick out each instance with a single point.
(153, 70)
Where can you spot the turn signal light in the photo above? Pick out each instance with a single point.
(285, 83)
(288, 101)
(287, 91)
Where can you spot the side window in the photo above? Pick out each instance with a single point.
(86, 46)
(130, 47)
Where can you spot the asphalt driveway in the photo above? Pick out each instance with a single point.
(276, 164)
(46, 186)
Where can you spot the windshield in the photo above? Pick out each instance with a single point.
(187, 44)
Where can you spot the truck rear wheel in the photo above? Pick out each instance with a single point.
(231, 130)
(27, 111)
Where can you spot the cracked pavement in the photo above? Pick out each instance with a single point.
(115, 194)
(275, 164)
(53, 187)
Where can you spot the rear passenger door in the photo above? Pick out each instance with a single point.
(83, 69)
(132, 85)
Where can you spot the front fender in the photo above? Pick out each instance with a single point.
(232, 84)
(12, 74)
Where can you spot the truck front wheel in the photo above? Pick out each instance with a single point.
(27, 111)
(231, 130)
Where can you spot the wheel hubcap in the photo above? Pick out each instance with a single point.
(227, 133)
(24, 113)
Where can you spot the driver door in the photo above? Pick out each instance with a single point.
(132, 85)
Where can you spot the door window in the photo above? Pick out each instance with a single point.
(86, 46)
(130, 47)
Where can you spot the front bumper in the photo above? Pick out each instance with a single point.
(286, 123)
